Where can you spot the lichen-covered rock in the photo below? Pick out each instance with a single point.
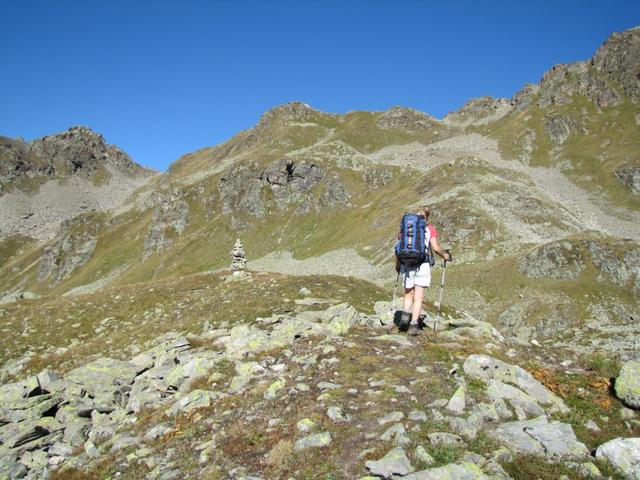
(485, 368)
(316, 440)
(273, 389)
(628, 384)
(195, 399)
(453, 471)
(105, 379)
(395, 462)
(457, 403)
(624, 454)
(554, 440)
(339, 319)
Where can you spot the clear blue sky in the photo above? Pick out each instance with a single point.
(161, 78)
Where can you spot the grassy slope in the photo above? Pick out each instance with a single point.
(602, 140)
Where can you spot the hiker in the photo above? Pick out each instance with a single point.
(417, 275)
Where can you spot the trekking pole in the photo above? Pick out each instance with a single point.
(393, 301)
(444, 271)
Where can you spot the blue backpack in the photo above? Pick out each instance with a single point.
(412, 248)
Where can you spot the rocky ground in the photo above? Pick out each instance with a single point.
(329, 393)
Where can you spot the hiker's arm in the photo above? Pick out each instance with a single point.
(435, 246)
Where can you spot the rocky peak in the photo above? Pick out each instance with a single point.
(478, 111)
(78, 151)
(619, 59)
(288, 113)
(613, 71)
(406, 119)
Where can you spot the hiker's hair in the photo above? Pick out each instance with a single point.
(423, 210)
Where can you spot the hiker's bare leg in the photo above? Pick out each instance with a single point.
(417, 303)
(408, 299)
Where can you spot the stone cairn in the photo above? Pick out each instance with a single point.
(238, 259)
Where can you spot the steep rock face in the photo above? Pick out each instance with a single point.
(71, 249)
(247, 189)
(560, 83)
(619, 59)
(170, 218)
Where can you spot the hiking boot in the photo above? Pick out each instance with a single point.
(414, 330)
(405, 320)
(421, 321)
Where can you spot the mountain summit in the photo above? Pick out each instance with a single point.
(56, 177)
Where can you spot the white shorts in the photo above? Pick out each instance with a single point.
(417, 276)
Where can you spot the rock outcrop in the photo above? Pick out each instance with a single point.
(170, 218)
(72, 248)
(628, 384)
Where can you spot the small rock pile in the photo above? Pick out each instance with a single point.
(238, 258)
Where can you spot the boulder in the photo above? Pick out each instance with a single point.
(457, 403)
(395, 462)
(485, 368)
(316, 440)
(624, 454)
(195, 399)
(553, 440)
(454, 471)
(628, 384)
(104, 379)
(339, 319)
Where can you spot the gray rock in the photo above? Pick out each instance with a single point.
(274, 389)
(122, 441)
(629, 176)
(418, 416)
(192, 401)
(336, 415)
(553, 440)
(391, 417)
(624, 454)
(395, 462)
(91, 450)
(105, 379)
(453, 471)
(316, 440)
(305, 425)
(457, 403)
(61, 449)
(483, 367)
(398, 433)
(339, 319)
(628, 384)
(421, 454)
(443, 438)
(10, 469)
